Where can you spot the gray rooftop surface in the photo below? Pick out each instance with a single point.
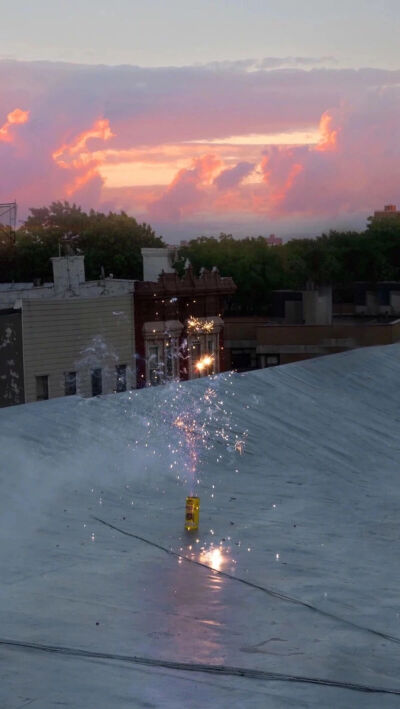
(101, 605)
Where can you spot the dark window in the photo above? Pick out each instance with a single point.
(195, 352)
(97, 386)
(241, 360)
(42, 387)
(169, 353)
(70, 383)
(154, 366)
(272, 360)
(121, 377)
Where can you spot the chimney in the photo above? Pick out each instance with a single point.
(68, 274)
(157, 260)
(317, 306)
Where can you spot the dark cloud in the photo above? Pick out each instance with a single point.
(227, 179)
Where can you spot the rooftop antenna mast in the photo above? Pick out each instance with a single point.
(8, 221)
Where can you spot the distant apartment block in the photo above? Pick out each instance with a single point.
(388, 213)
(76, 336)
(179, 324)
(273, 240)
(303, 324)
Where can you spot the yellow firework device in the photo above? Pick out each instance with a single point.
(192, 513)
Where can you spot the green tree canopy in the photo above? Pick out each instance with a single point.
(337, 258)
(112, 241)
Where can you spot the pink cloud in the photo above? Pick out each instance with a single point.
(83, 118)
(76, 155)
(355, 167)
(187, 192)
(15, 117)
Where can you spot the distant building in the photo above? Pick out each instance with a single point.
(178, 321)
(76, 336)
(389, 212)
(273, 240)
(73, 336)
(303, 325)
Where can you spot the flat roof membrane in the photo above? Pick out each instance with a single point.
(286, 596)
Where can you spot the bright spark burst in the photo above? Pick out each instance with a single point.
(197, 325)
(192, 433)
(204, 362)
(213, 557)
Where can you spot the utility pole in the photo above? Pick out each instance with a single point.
(8, 221)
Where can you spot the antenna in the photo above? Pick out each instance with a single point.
(8, 221)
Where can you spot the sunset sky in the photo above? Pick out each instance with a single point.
(199, 117)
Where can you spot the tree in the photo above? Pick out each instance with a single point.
(112, 241)
(255, 267)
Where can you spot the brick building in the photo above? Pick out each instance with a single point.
(305, 324)
(179, 322)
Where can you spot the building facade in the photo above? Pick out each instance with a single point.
(72, 336)
(179, 326)
(11, 360)
(303, 324)
(77, 337)
(388, 213)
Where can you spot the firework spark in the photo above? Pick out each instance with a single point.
(213, 557)
(197, 325)
(204, 362)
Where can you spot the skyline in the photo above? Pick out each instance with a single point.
(293, 144)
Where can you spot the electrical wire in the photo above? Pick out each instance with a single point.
(221, 670)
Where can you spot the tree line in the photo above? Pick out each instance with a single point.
(114, 240)
(336, 258)
(111, 241)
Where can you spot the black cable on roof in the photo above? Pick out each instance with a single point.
(264, 589)
(221, 670)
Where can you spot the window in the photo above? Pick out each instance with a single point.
(211, 349)
(97, 386)
(42, 387)
(171, 357)
(241, 360)
(154, 366)
(169, 361)
(195, 355)
(121, 377)
(70, 383)
(272, 360)
(195, 350)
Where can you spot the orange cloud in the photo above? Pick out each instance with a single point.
(279, 195)
(187, 193)
(15, 117)
(280, 168)
(76, 155)
(80, 181)
(328, 140)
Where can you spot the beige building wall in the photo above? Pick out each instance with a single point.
(77, 335)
